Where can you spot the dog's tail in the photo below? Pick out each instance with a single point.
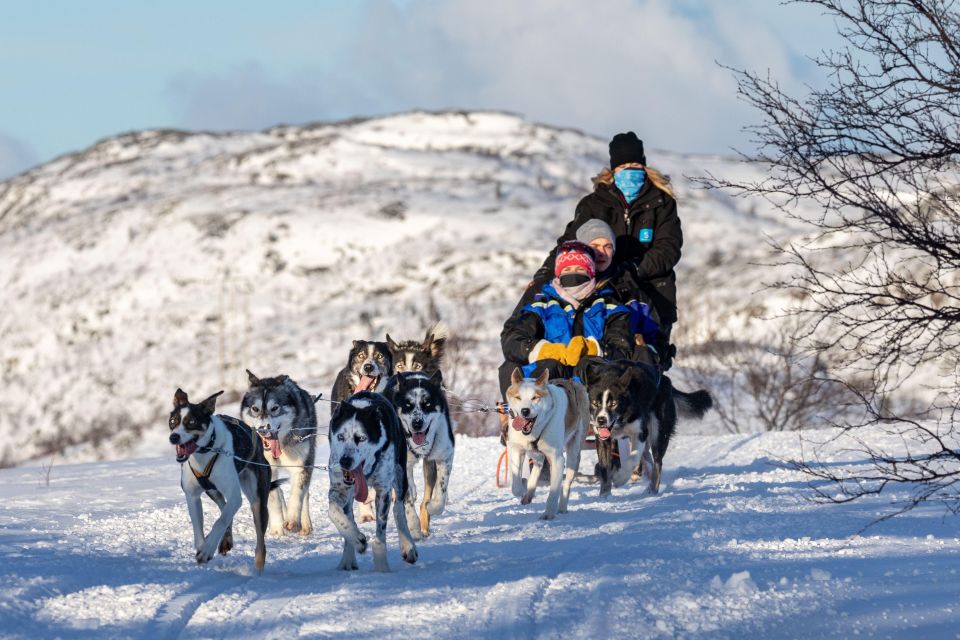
(276, 483)
(692, 405)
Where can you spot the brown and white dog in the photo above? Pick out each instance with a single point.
(222, 457)
(549, 420)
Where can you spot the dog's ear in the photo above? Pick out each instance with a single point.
(254, 380)
(357, 343)
(433, 344)
(627, 377)
(393, 346)
(437, 378)
(516, 377)
(344, 410)
(544, 378)
(282, 378)
(210, 404)
(179, 398)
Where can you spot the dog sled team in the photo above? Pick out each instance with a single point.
(585, 358)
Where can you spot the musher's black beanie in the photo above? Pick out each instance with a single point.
(624, 148)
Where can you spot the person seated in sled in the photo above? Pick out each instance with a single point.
(598, 235)
(569, 318)
(637, 202)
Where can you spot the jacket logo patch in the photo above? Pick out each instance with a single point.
(646, 235)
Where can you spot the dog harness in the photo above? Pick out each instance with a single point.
(244, 450)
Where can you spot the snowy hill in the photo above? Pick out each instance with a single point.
(163, 258)
(731, 548)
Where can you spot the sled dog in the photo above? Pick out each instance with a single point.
(421, 405)
(549, 419)
(369, 365)
(222, 457)
(367, 448)
(426, 356)
(632, 403)
(284, 416)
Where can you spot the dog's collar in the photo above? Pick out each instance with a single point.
(209, 446)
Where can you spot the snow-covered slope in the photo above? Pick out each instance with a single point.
(161, 259)
(730, 549)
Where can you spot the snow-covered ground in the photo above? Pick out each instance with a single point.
(731, 548)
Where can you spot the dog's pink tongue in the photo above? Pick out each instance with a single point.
(359, 483)
(275, 448)
(365, 383)
(186, 449)
(603, 432)
(419, 438)
(520, 423)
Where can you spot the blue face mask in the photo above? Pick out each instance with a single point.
(630, 181)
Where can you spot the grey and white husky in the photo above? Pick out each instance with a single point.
(422, 407)
(367, 447)
(284, 416)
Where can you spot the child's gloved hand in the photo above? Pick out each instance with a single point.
(576, 349)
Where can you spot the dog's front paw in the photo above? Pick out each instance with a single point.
(347, 565)
(409, 555)
(548, 516)
(292, 526)
(204, 555)
(360, 543)
(276, 530)
(306, 530)
(435, 507)
(226, 544)
(527, 498)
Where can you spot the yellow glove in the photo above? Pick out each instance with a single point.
(551, 351)
(576, 349)
(593, 347)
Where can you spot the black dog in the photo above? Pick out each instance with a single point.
(632, 403)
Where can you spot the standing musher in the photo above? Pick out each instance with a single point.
(636, 201)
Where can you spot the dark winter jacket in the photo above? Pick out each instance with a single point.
(549, 317)
(648, 242)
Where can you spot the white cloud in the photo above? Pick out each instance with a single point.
(15, 157)
(610, 66)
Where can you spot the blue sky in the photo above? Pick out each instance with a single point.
(75, 72)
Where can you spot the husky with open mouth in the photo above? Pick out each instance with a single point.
(635, 406)
(550, 420)
(421, 404)
(369, 365)
(222, 457)
(284, 416)
(368, 450)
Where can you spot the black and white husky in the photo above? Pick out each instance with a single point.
(422, 407)
(284, 416)
(632, 403)
(368, 367)
(549, 420)
(222, 457)
(413, 355)
(367, 447)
